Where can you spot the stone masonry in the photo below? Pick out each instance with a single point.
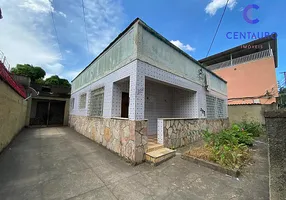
(180, 132)
(125, 137)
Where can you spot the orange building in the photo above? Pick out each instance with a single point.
(249, 70)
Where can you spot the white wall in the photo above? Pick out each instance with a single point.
(158, 104)
(118, 88)
(164, 101)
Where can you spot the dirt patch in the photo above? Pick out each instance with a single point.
(201, 152)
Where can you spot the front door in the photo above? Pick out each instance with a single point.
(124, 104)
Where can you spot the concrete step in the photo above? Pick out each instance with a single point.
(153, 146)
(152, 140)
(158, 156)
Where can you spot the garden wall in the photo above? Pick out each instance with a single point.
(253, 112)
(13, 109)
(276, 130)
(125, 137)
(175, 133)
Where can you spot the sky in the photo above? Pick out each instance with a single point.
(55, 35)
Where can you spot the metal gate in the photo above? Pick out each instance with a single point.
(47, 113)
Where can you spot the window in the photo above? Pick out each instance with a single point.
(211, 101)
(216, 108)
(72, 104)
(220, 108)
(96, 102)
(82, 101)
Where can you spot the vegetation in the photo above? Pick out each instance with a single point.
(29, 70)
(282, 97)
(37, 75)
(255, 128)
(229, 147)
(55, 80)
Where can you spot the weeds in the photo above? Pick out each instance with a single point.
(229, 147)
(255, 128)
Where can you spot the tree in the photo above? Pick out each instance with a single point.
(55, 80)
(29, 70)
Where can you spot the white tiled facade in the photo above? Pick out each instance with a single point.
(162, 82)
(153, 93)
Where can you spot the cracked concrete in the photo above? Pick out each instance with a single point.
(58, 163)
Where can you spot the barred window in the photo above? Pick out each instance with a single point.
(220, 108)
(82, 101)
(72, 104)
(96, 102)
(211, 102)
(216, 108)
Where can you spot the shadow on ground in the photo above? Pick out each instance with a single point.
(58, 163)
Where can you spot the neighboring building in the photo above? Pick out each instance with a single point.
(50, 106)
(249, 70)
(138, 81)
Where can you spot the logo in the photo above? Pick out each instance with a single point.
(249, 35)
(247, 12)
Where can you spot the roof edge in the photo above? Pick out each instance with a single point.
(162, 38)
(272, 37)
(109, 46)
(156, 34)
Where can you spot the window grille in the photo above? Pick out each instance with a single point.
(216, 108)
(211, 102)
(82, 101)
(220, 108)
(96, 102)
(72, 104)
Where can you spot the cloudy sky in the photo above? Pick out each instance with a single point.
(52, 33)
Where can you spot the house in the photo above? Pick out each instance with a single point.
(249, 70)
(143, 95)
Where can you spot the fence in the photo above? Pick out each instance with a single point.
(6, 76)
(243, 59)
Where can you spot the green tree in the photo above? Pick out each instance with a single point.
(55, 80)
(29, 70)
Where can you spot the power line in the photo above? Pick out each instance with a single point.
(217, 28)
(83, 11)
(52, 14)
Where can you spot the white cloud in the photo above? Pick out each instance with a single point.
(39, 6)
(185, 47)
(27, 34)
(103, 20)
(62, 14)
(70, 75)
(54, 69)
(214, 5)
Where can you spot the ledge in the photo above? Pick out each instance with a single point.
(191, 119)
(119, 118)
(275, 114)
(213, 166)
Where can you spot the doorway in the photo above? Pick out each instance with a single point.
(47, 112)
(124, 105)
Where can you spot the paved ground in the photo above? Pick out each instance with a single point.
(58, 163)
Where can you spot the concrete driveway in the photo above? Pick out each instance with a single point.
(58, 163)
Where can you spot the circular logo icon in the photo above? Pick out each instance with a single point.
(247, 13)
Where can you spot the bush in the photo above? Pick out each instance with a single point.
(255, 128)
(229, 147)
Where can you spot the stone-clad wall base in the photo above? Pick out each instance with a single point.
(180, 132)
(125, 137)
